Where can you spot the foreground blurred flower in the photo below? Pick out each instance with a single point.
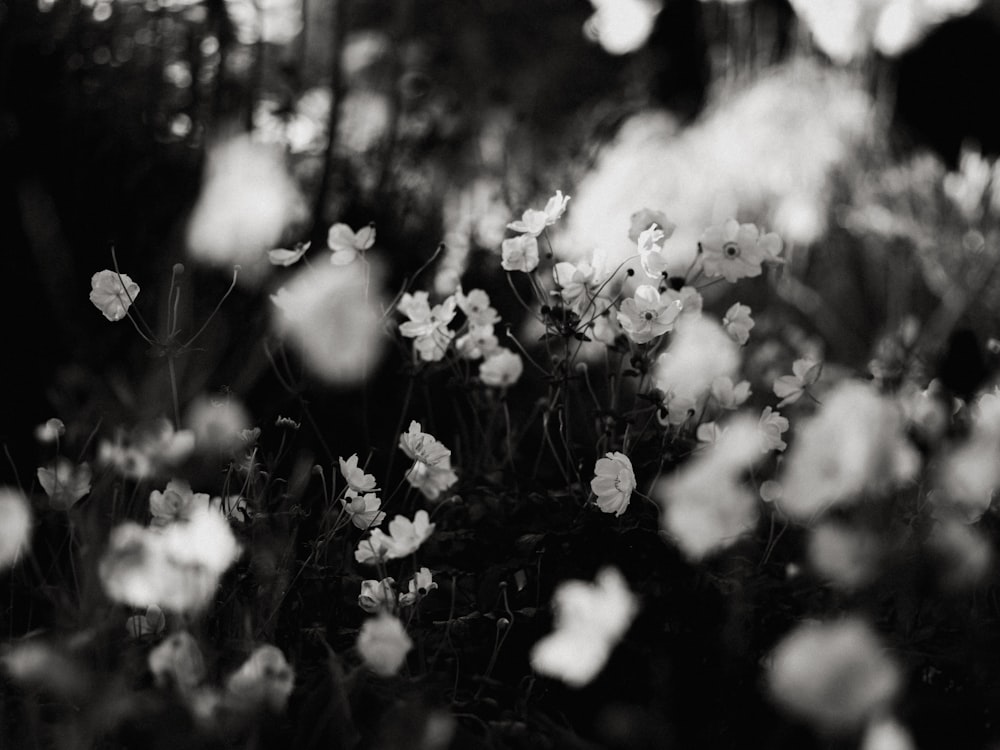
(265, 679)
(15, 526)
(329, 315)
(590, 619)
(970, 472)
(501, 369)
(346, 244)
(248, 200)
(520, 253)
(622, 26)
(844, 555)
(177, 502)
(112, 294)
(50, 431)
(705, 504)
(177, 661)
(383, 644)
(886, 734)
(420, 585)
(33, 663)
(855, 444)
(835, 675)
(613, 482)
(65, 483)
(176, 567)
(964, 555)
(736, 251)
(376, 595)
(217, 422)
(699, 353)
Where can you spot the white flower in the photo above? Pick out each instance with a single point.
(427, 325)
(690, 300)
(346, 244)
(112, 294)
(15, 526)
(476, 306)
(383, 644)
(431, 480)
(836, 674)
(577, 284)
(886, 734)
(845, 556)
(217, 422)
(590, 619)
(533, 222)
(648, 314)
(405, 536)
(613, 482)
(480, 341)
(176, 502)
(177, 660)
(555, 207)
(651, 258)
(376, 595)
(771, 426)
(420, 585)
(856, 443)
(283, 257)
(331, 315)
(520, 253)
(355, 476)
(50, 431)
(372, 550)
(65, 483)
(265, 679)
(363, 509)
(727, 395)
(622, 26)
(501, 369)
(699, 352)
(709, 432)
(421, 446)
(736, 251)
(789, 388)
(738, 323)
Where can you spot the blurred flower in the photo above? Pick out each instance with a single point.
(501, 369)
(577, 284)
(65, 483)
(643, 219)
(283, 257)
(15, 526)
(480, 341)
(271, 21)
(963, 553)
(33, 663)
(690, 300)
(177, 660)
(699, 352)
(383, 644)
(376, 595)
(346, 244)
(176, 566)
(427, 325)
(709, 432)
(771, 427)
(728, 395)
(332, 318)
(520, 253)
(855, 444)
(248, 201)
(150, 450)
(590, 619)
(420, 585)
(648, 314)
(152, 622)
(265, 679)
(363, 509)
(217, 422)
(476, 306)
(112, 294)
(176, 503)
(789, 388)
(50, 431)
(355, 476)
(736, 251)
(886, 734)
(846, 556)
(705, 505)
(613, 482)
(622, 26)
(680, 408)
(835, 675)
(970, 473)
(738, 323)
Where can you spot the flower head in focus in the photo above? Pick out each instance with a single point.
(651, 257)
(533, 222)
(112, 294)
(346, 244)
(477, 308)
(590, 619)
(405, 536)
(772, 426)
(355, 476)
(738, 323)
(577, 284)
(420, 585)
(428, 326)
(432, 481)
(383, 644)
(648, 314)
(363, 509)
(421, 446)
(613, 482)
(520, 253)
(736, 251)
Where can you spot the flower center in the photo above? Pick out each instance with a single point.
(731, 250)
(648, 315)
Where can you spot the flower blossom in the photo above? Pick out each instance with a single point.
(501, 369)
(651, 257)
(480, 341)
(736, 251)
(376, 595)
(520, 253)
(50, 430)
(477, 308)
(727, 395)
(363, 509)
(346, 244)
(15, 526)
(383, 644)
(533, 222)
(432, 481)
(577, 284)
(737, 322)
(112, 294)
(648, 314)
(789, 388)
(590, 619)
(265, 679)
(699, 353)
(65, 483)
(355, 476)
(428, 326)
(622, 26)
(771, 427)
(421, 446)
(150, 450)
(613, 482)
(405, 536)
(420, 585)
(284, 257)
(175, 503)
